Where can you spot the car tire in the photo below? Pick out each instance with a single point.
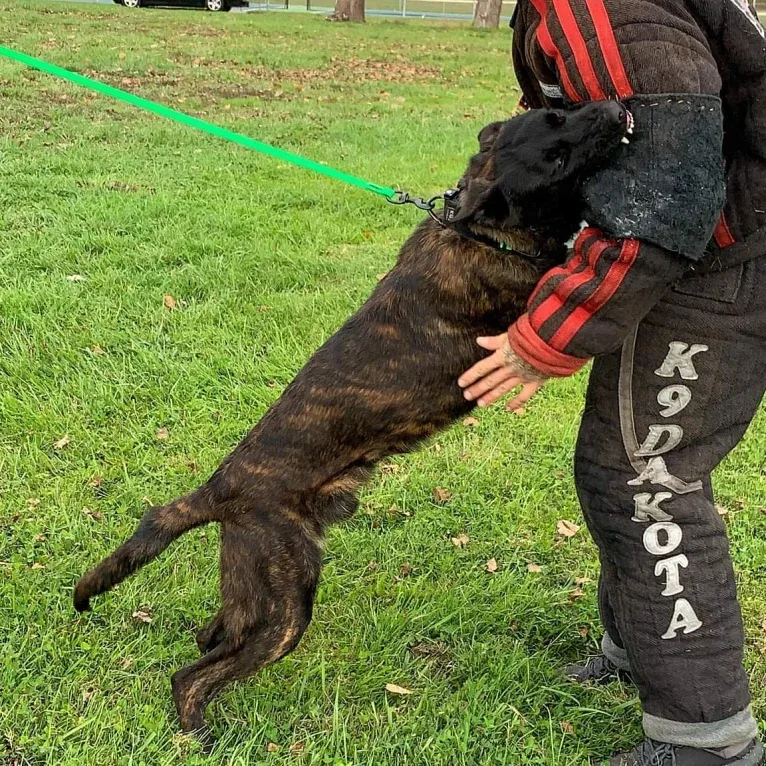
(132, 3)
(216, 5)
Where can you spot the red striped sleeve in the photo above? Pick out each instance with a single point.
(722, 234)
(556, 300)
(609, 48)
(551, 50)
(608, 287)
(534, 350)
(579, 49)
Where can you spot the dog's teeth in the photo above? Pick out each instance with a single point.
(630, 130)
(625, 140)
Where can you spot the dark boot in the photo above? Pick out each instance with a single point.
(651, 753)
(598, 670)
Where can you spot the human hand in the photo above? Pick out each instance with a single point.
(500, 373)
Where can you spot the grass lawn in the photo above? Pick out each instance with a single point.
(105, 211)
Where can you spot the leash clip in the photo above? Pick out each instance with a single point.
(404, 198)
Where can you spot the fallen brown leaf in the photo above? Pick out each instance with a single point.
(272, 748)
(567, 727)
(143, 615)
(567, 529)
(721, 510)
(395, 689)
(126, 663)
(584, 631)
(460, 541)
(491, 566)
(76, 278)
(763, 626)
(297, 747)
(582, 580)
(96, 515)
(40, 538)
(380, 276)
(441, 495)
(576, 593)
(64, 441)
(406, 570)
(390, 468)
(37, 565)
(264, 308)
(534, 568)
(162, 434)
(470, 422)
(88, 694)
(97, 350)
(33, 502)
(170, 303)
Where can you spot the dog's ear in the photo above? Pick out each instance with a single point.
(488, 134)
(482, 197)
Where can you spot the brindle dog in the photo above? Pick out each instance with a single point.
(379, 386)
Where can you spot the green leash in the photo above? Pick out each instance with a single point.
(392, 195)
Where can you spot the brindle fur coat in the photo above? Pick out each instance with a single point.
(383, 383)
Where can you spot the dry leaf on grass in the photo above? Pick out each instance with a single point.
(40, 538)
(460, 541)
(763, 626)
(575, 594)
(582, 580)
(380, 276)
(272, 748)
(64, 441)
(491, 566)
(297, 747)
(96, 515)
(406, 570)
(721, 511)
(534, 568)
(162, 434)
(97, 350)
(441, 495)
(169, 302)
(76, 278)
(143, 615)
(33, 502)
(390, 468)
(470, 422)
(37, 565)
(584, 631)
(567, 529)
(395, 689)
(567, 727)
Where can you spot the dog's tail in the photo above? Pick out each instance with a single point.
(157, 529)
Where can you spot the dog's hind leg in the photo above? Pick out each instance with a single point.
(209, 636)
(268, 583)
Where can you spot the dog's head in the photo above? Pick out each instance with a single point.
(528, 169)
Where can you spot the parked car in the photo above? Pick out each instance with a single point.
(211, 5)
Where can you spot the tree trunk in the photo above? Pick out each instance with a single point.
(348, 10)
(486, 15)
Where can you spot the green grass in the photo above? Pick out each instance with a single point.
(265, 261)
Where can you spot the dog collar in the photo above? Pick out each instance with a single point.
(451, 199)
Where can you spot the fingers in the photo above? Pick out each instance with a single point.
(526, 393)
(499, 391)
(480, 369)
(491, 342)
(489, 382)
